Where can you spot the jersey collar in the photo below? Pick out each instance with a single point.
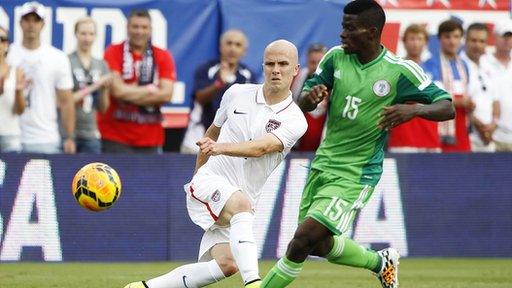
(278, 107)
(371, 63)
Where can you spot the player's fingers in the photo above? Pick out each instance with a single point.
(322, 87)
(313, 97)
(388, 110)
(206, 150)
(205, 145)
(393, 118)
(202, 140)
(387, 122)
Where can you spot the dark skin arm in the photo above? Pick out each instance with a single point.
(309, 100)
(395, 115)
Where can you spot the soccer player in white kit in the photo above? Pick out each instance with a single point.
(253, 130)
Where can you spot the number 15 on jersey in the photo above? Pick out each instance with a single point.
(351, 107)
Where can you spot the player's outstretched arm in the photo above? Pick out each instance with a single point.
(213, 134)
(397, 114)
(254, 148)
(310, 99)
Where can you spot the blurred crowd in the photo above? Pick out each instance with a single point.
(51, 102)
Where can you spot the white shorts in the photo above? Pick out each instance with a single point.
(206, 196)
(211, 237)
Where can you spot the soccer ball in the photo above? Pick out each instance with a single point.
(96, 186)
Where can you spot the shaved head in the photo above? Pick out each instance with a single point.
(284, 47)
(280, 65)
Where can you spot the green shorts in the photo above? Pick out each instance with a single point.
(332, 200)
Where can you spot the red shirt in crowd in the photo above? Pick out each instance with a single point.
(313, 136)
(128, 128)
(418, 134)
(461, 131)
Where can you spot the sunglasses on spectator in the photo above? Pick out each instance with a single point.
(4, 39)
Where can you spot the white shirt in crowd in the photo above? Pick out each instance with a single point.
(10, 125)
(482, 88)
(46, 69)
(503, 76)
(244, 116)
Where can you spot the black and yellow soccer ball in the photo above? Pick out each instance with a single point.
(96, 186)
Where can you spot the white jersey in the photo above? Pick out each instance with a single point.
(481, 88)
(244, 115)
(502, 75)
(46, 69)
(10, 121)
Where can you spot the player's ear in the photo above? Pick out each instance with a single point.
(374, 32)
(296, 70)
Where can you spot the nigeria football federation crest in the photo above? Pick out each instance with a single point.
(381, 88)
(272, 125)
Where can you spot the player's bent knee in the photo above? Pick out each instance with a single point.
(240, 203)
(237, 203)
(299, 248)
(227, 265)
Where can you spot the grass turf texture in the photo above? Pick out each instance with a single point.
(414, 273)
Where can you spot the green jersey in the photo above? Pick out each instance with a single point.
(353, 145)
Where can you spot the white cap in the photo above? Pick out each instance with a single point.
(33, 7)
(503, 28)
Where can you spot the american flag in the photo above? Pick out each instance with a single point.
(448, 4)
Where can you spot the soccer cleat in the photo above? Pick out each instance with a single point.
(388, 275)
(254, 284)
(140, 284)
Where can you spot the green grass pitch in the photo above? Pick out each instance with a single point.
(414, 273)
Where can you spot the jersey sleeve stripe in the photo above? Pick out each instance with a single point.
(424, 85)
(319, 70)
(407, 63)
(424, 82)
(441, 97)
(417, 68)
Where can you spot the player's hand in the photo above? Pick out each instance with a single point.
(208, 146)
(69, 146)
(317, 94)
(395, 115)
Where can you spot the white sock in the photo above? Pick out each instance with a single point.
(243, 246)
(190, 275)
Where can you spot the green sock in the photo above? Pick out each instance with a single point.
(282, 274)
(347, 252)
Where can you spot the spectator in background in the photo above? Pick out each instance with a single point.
(48, 73)
(142, 81)
(91, 80)
(450, 72)
(501, 66)
(417, 135)
(481, 89)
(12, 101)
(316, 118)
(211, 80)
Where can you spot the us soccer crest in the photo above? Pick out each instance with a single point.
(216, 196)
(272, 125)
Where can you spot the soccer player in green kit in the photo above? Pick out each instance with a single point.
(368, 86)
